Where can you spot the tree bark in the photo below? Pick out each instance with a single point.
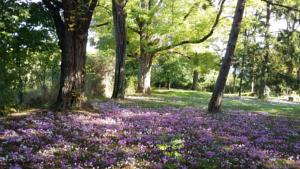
(234, 80)
(252, 85)
(217, 96)
(290, 51)
(252, 76)
(72, 32)
(169, 84)
(265, 67)
(120, 48)
(44, 85)
(242, 76)
(243, 64)
(20, 92)
(72, 70)
(144, 77)
(20, 84)
(290, 68)
(195, 80)
(298, 76)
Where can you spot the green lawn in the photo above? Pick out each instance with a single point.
(187, 98)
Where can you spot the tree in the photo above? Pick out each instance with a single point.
(72, 20)
(171, 70)
(216, 99)
(202, 63)
(26, 35)
(265, 66)
(286, 45)
(150, 45)
(120, 47)
(243, 63)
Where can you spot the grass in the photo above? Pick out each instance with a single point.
(186, 98)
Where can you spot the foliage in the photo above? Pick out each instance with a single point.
(205, 62)
(27, 49)
(99, 69)
(207, 82)
(282, 71)
(131, 74)
(172, 69)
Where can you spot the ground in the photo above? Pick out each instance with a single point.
(166, 130)
(185, 98)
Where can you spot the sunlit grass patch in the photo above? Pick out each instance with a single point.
(186, 98)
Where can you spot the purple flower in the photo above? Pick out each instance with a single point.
(122, 142)
(210, 154)
(15, 166)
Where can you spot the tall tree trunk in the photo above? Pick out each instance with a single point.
(243, 63)
(253, 63)
(52, 77)
(120, 48)
(145, 58)
(72, 32)
(216, 99)
(71, 87)
(265, 67)
(169, 84)
(195, 80)
(290, 68)
(144, 77)
(252, 85)
(253, 76)
(242, 76)
(298, 76)
(44, 85)
(20, 92)
(234, 80)
(290, 50)
(20, 84)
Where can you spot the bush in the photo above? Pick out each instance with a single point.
(131, 85)
(6, 97)
(99, 75)
(131, 75)
(208, 81)
(172, 69)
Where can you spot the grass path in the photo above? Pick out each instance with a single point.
(184, 98)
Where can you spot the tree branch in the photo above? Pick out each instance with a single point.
(57, 4)
(89, 14)
(197, 41)
(92, 7)
(153, 10)
(290, 8)
(134, 30)
(196, 4)
(101, 24)
(54, 7)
